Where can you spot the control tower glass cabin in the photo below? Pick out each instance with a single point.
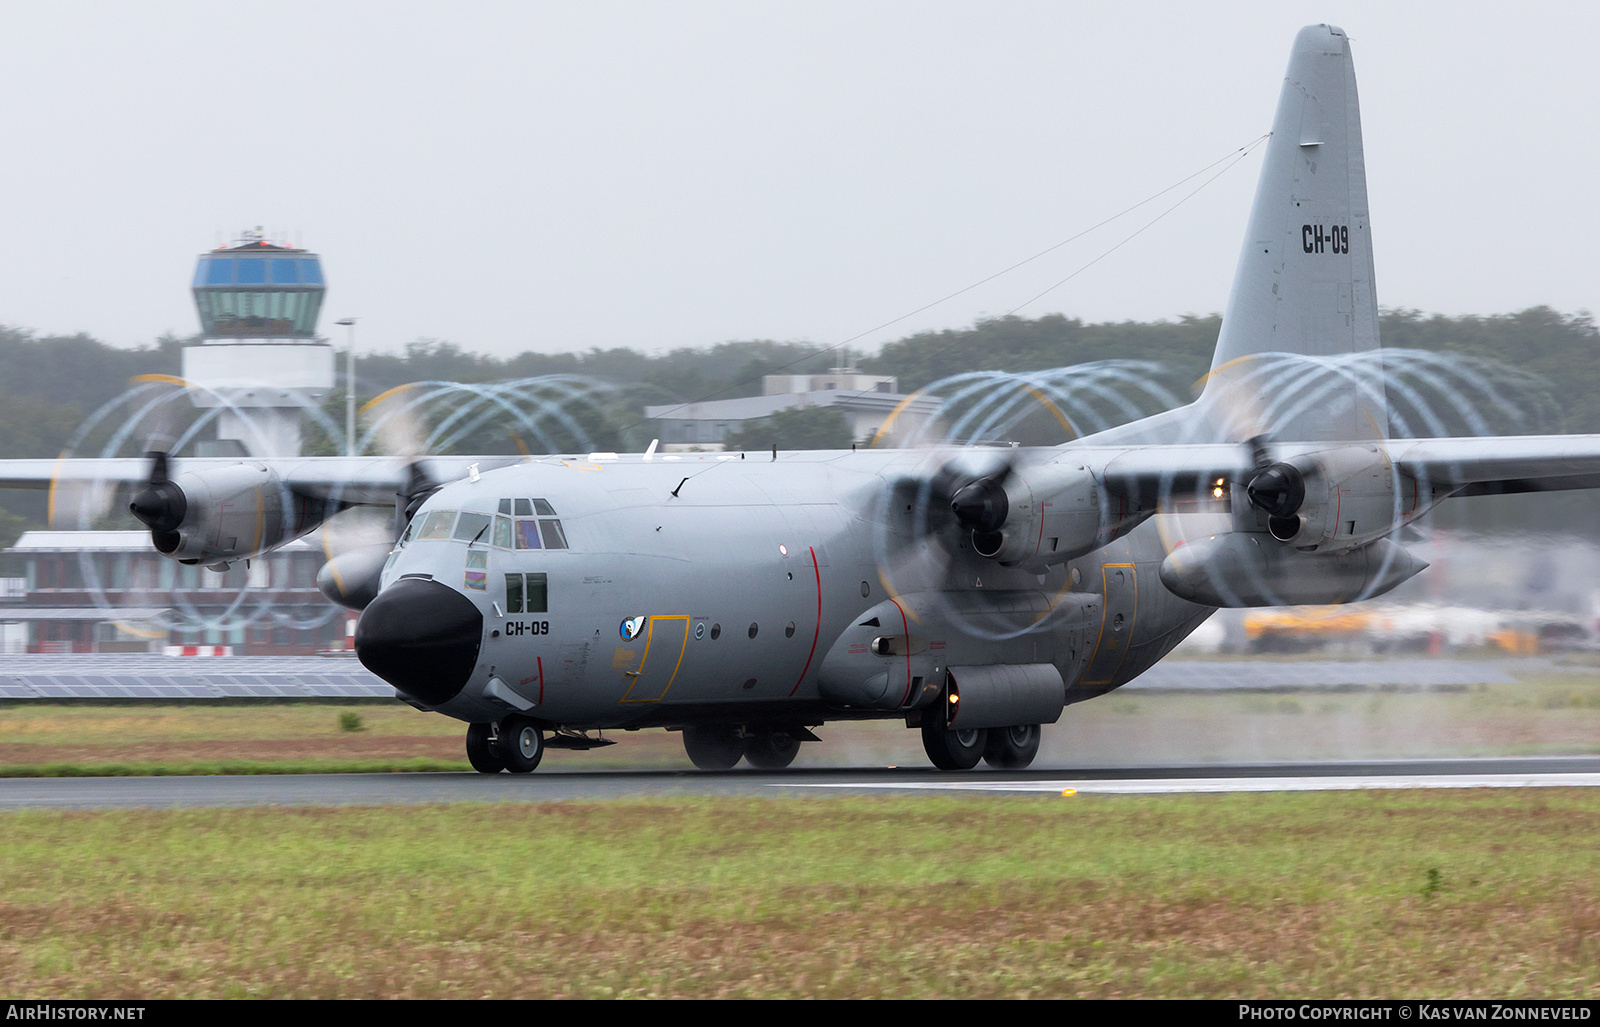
(258, 290)
(260, 360)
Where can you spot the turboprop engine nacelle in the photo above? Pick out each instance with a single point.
(1040, 515)
(352, 578)
(1250, 569)
(217, 516)
(1336, 499)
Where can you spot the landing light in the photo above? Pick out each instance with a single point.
(1217, 488)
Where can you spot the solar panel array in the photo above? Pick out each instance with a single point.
(148, 676)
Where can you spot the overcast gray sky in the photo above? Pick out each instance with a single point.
(558, 176)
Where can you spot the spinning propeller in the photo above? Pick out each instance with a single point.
(159, 503)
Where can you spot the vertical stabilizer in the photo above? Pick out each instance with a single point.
(1304, 282)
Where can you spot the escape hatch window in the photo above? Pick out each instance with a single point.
(527, 593)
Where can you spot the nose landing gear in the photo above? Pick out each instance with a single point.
(481, 752)
(515, 744)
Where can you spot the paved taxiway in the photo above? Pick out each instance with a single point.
(376, 789)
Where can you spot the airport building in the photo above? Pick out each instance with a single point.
(110, 592)
(868, 403)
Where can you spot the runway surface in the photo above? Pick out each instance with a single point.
(380, 789)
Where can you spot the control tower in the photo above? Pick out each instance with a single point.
(260, 360)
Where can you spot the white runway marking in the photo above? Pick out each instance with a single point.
(1244, 784)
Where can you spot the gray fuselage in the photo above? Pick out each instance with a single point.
(760, 590)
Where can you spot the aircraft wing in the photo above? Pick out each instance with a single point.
(1502, 464)
(366, 480)
(1480, 466)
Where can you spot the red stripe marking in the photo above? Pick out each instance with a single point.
(903, 627)
(817, 632)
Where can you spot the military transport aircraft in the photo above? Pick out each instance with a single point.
(747, 599)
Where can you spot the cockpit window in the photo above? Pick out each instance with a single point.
(554, 537)
(437, 524)
(526, 532)
(472, 526)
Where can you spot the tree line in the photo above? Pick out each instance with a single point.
(52, 384)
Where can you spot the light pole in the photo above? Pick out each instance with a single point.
(349, 384)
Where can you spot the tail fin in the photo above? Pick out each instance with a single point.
(1304, 282)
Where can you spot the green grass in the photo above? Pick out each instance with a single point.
(209, 768)
(1558, 714)
(1485, 893)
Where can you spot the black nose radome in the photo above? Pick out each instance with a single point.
(421, 637)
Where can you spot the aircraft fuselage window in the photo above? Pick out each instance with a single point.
(502, 531)
(543, 509)
(437, 524)
(527, 533)
(524, 508)
(472, 526)
(505, 507)
(538, 593)
(527, 593)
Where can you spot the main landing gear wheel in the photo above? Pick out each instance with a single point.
(772, 751)
(950, 749)
(520, 745)
(1012, 748)
(713, 748)
(481, 751)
